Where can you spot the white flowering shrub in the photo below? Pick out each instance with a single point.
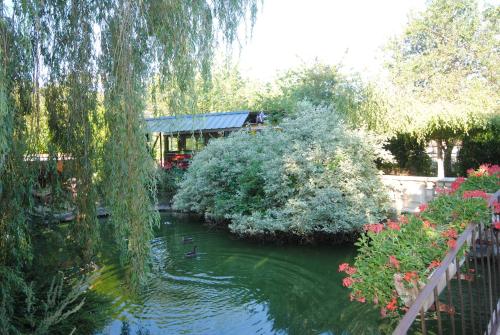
(313, 174)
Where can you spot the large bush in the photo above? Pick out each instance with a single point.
(410, 156)
(312, 174)
(480, 146)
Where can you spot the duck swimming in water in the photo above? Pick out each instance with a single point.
(191, 253)
(187, 240)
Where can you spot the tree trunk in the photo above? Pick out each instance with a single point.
(447, 157)
(440, 161)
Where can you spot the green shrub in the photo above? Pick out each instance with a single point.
(410, 155)
(168, 180)
(312, 174)
(480, 146)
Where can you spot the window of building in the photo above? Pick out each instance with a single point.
(173, 144)
(190, 143)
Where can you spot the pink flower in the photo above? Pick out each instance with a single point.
(347, 282)
(361, 299)
(403, 219)
(496, 225)
(456, 184)
(393, 261)
(428, 224)
(496, 206)
(450, 233)
(441, 190)
(409, 276)
(351, 270)
(374, 227)
(422, 207)
(434, 264)
(393, 225)
(343, 267)
(475, 194)
(392, 305)
(494, 169)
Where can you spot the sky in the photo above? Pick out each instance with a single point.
(288, 33)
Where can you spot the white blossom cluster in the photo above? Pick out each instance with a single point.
(313, 174)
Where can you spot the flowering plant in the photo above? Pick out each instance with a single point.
(398, 256)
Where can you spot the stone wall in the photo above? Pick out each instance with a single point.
(408, 192)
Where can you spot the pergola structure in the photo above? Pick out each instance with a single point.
(176, 138)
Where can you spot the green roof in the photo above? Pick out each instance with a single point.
(198, 122)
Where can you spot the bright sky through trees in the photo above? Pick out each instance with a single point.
(289, 32)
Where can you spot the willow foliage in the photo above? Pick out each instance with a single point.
(73, 74)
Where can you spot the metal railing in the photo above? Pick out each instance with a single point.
(462, 295)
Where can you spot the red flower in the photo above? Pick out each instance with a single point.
(393, 261)
(441, 190)
(496, 206)
(456, 184)
(374, 227)
(351, 270)
(434, 264)
(496, 225)
(470, 172)
(361, 299)
(393, 225)
(410, 275)
(343, 267)
(428, 224)
(403, 219)
(475, 194)
(451, 243)
(392, 305)
(347, 282)
(422, 207)
(494, 169)
(450, 233)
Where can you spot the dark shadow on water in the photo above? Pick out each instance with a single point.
(54, 253)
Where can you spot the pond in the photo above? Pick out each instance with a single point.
(233, 287)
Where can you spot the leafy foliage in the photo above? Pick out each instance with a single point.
(444, 70)
(324, 85)
(169, 179)
(480, 146)
(410, 156)
(60, 94)
(227, 90)
(312, 174)
(397, 255)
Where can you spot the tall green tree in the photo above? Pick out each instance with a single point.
(225, 89)
(80, 69)
(323, 84)
(445, 70)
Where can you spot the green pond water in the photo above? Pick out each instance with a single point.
(233, 287)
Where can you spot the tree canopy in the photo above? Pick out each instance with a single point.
(445, 70)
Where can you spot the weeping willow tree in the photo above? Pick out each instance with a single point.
(73, 83)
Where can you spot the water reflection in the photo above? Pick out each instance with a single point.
(234, 287)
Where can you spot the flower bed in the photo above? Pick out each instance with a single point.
(395, 258)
